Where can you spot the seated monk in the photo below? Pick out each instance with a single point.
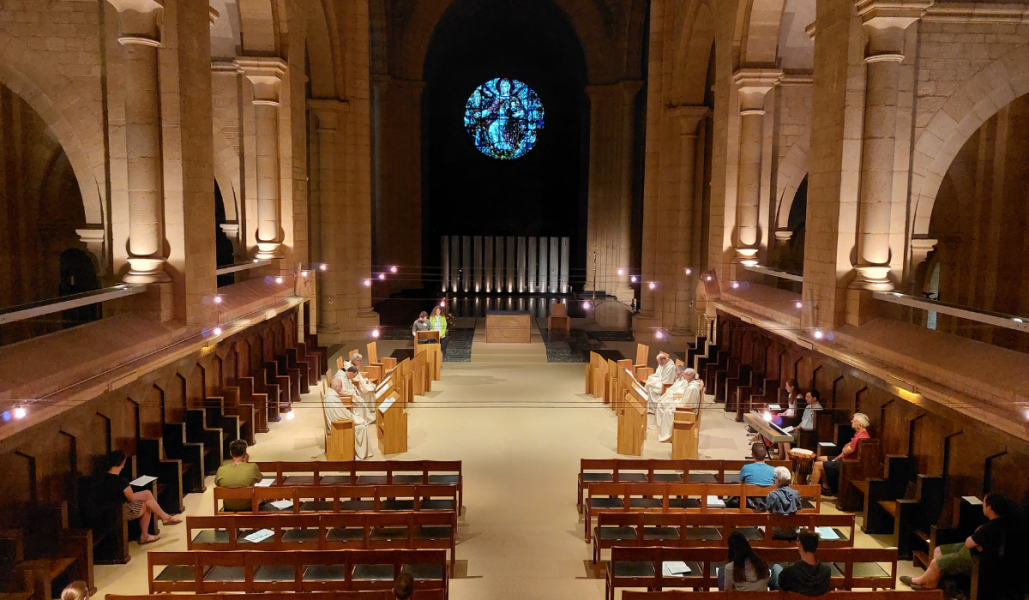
(116, 489)
(830, 467)
(238, 472)
(364, 390)
(335, 410)
(686, 392)
(665, 373)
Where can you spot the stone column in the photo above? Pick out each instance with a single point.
(885, 22)
(689, 118)
(610, 186)
(140, 37)
(331, 301)
(266, 75)
(754, 85)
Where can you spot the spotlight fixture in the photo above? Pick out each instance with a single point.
(735, 285)
(799, 304)
(289, 414)
(660, 335)
(689, 271)
(375, 333)
(819, 334)
(367, 283)
(216, 331)
(20, 412)
(393, 269)
(256, 260)
(767, 416)
(305, 273)
(632, 279)
(585, 304)
(442, 302)
(652, 285)
(1017, 320)
(278, 280)
(707, 278)
(621, 271)
(217, 299)
(382, 277)
(323, 267)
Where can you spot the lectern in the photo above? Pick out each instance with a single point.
(428, 342)
(686, 434)
(390, 419)
(632, 422)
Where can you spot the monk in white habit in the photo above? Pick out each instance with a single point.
(665, 373)
(686, 392)
(335, 410)
(363, 392)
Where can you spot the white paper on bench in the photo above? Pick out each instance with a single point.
(387, 404)
(266, 482)
(827, 444)
(715, 502)
(674, 568)
(282, 504)
(142, 480)
(827, 533)
(259, 536)
(774, 407)
(788, 429)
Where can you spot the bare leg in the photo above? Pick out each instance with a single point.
(144, 525)
(931, 577)
(816, 474)
(151, 503)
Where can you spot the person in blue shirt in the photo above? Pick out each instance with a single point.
(758, 472)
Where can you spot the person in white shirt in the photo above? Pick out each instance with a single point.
(335, 410)
(363, 392)
(807, 422)
(685, 392)
(665, 373)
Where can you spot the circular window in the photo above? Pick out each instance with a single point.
(504, 117)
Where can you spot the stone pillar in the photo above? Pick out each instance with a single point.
(689, 118)
(140, 37)
(610, 186)
(94, 239)
(885, 22)
(266, 75)
(331, 218)
(754, 85)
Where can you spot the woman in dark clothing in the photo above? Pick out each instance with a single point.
(116, 489)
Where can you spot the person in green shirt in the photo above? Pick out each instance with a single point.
(438, 322)
(237, 473)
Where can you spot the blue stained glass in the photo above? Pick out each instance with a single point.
(504, 117)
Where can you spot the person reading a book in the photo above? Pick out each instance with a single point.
(236, 473)
(116, 489)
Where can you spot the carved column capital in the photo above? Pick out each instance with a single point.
(885, 22)
(327, 110)
(265, 74)
(754, 84)
(689, 117)
(920, 249)
(139, 21)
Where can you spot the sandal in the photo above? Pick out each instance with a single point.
(906, 580)
(171, 521)
(149, 539)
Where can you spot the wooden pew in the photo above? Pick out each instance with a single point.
(631, 470)
(110, 529)
(853, 568)
(968, 516)
(632, 419)
(687, 530)
(339, 435)
(367, 531)
(863, 465)
(45, 549)
(385, 472)
(833, 595)
(680, 497)
(346, 595)
(895, 505)
(251, 572)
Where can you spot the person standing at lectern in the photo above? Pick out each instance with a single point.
(420, 324)
(685, 392)
(335, 410)
(438, 322)
(665, 373)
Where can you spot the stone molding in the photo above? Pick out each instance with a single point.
(974, 12)
(754, 84)
(265, 74)
(689, 117)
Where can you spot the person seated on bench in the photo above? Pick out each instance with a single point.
(238, 472)
(755, 473)
(665, 373)
(745, 570)
(807, 576)
(403, 586)
(76, 590)
(830, 467)
(685, 392)
(335, 410)
(807, 419)
(783, 500)
(116, 489)
(787, 418)
(988, 541)
(361, 390)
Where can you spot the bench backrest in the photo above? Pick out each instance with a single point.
(353, 469)
(834, 595)
(718, 468)
(337, 494)
(726, 523)
(665, 491)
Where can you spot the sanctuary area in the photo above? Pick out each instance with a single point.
(336, 299)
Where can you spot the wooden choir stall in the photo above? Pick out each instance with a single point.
(391, 397)
(632, 421)
(427, 343)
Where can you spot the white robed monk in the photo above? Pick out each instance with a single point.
(335, 410)
(363, 392)
(686, 392)
(665, 373)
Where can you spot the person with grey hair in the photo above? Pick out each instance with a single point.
(827, 470)
(685, 392)
(655, 384)
(783, 500)
(335, 410)
(360, 388)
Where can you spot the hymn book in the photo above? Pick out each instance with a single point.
(142, 481)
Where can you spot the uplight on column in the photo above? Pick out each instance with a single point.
(652, 285)
(799, 304)
(375, 333)
(659, 334)
(367, 283)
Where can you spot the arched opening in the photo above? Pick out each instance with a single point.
(40, 210)
(467, 192)
(791, 254)
(223, 245)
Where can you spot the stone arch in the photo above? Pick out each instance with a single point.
(56, 101)
(792, 171)
(258, 25)
(324, 51)
(960, 116)
(602, 62)
(762, 20)
(227, 174)
(693, 54)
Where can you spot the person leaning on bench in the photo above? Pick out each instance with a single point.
(807, 576)
(116, 489)
(783, 500)
(830, 467)
(238, 472)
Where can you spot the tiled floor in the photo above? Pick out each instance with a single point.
(520, 430)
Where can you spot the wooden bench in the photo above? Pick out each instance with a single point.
(44, 550)
(250, 572)
(343, 498)
(681, 497)
(384, 472)
(685, 530)
(630, 470)
(833, 595)
(362, 531)
(899, 507)
(362, 595)
(854, 472)
(641, 567)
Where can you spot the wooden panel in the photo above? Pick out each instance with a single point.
(151, 413)
(508, 328)
(230, 368)
(195, 392)
(175, 400)
(214, 380)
